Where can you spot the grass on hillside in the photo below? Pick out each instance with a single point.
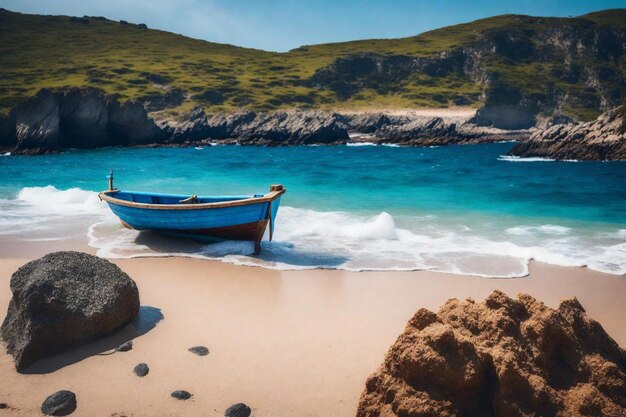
(125, 59)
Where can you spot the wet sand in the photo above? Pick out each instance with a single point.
(287, 343)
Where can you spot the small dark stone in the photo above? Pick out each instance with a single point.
(125, 347)
(141, 370)
(181, 395)
(3, 406)
(238, 410)
(199, 350)
(61, 403)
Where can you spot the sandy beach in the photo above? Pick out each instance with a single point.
(287, 343)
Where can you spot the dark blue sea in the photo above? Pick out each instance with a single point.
(460, 209)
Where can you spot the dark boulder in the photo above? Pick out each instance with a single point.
(37, 122)
(63, 300)
(141, 370)
(238, 410)
(4, 406)
(199, 350)
(84, 119)
(61, 403)
(129, 124)
(181, 395)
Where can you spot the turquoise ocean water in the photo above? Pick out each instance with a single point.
(462, 209)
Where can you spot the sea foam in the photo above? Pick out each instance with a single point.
(306, 239)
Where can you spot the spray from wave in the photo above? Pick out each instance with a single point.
(306, 239)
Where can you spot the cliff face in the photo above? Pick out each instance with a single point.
(533, 70)
(601, 139)
(523, 70)
(88, 118)
(77, 118)
(502, 357)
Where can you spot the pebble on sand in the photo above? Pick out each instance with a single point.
(181, 395)
(61, 403)
(3, 406)
(125, 347)
(238, 410)
(199, 350)
(141, 369)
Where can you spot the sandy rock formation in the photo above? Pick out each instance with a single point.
(600, 139)
(63, 300)
(502, 357)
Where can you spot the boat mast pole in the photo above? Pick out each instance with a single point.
(110, 177)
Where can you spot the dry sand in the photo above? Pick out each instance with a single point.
(295, 343)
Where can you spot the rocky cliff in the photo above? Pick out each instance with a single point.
(500, 358)
(601, 139)
(420, 130)
(521, 71)
(88, 118)
(77, 118)
(531, 71)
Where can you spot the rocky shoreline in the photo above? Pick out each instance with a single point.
(87, 118)
(601, 139)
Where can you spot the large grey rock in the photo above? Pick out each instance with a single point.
(298, 127)
(61, 403)
(275, 128)
(600, 139)
(37, 122)
(129, 124)
(84, 119)
(63, 300)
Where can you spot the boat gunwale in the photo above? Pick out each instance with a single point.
(269, 197)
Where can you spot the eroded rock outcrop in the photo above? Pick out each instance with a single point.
(63, 300)
(601, 139)
(37, 122)
(501, 357)
(294, 127)
(420, 130)
(87, 118)
(76, 118)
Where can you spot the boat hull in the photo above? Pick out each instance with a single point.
(244, 219)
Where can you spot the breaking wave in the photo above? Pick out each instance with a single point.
(306, 239)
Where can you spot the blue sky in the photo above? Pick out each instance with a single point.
(283, 25)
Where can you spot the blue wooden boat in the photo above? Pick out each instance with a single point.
(205, 219)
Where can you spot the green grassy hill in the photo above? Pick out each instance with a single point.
(574, 65)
